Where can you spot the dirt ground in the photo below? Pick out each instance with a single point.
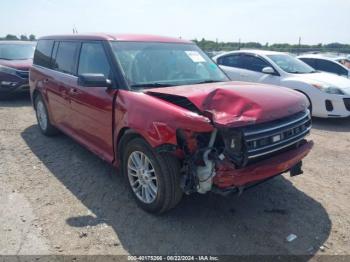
(58, 198)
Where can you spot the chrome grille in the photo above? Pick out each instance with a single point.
(276, 135)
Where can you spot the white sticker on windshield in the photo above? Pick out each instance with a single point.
(195, 56)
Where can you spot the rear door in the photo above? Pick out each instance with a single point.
(232, 66)
(62, 78)
(92, 107)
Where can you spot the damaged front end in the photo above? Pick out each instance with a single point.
(230, 159)
(257, 133)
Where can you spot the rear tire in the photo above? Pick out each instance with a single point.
(154, 179)
(42, 117)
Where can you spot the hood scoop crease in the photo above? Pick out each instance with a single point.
(176, 100)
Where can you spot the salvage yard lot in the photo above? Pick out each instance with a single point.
(58, 198)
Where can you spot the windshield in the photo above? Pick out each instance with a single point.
(17, 51)
(149, 64)
(291, 65)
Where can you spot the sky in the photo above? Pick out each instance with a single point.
(272, 21)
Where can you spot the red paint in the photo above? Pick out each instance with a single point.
(156, 120)
(17, 64)
(227, 175)
(120, 37)
(237, 103)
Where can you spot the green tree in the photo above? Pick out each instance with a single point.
(24, 38)
(11, 37)
(32, 37)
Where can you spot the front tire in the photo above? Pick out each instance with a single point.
(42, 117)
(154, 179)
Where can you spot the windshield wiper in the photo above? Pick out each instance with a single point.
(151, 85)
(297, 72)
(207, 81)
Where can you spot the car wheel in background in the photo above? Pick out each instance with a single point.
(43, 117)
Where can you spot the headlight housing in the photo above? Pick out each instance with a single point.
(7, 70)
(329, 89)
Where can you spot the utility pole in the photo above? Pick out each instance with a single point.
(75, 31)
(239, 44)
(299, 45)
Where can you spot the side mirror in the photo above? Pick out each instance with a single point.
(94, 80)
(268, 70)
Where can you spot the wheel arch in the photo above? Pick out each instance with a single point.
(35, 94)
(125, 135)
(308, 98)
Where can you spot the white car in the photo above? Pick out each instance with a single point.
(328, 94)
(326, 64)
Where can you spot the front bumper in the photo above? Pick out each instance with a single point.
(227, 176)
(13, 84)
(337, 110)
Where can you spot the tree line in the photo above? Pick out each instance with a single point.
(31, 37)
(208, 45)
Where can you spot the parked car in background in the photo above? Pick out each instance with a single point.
(15, 60)
(344, 60)
(165, 113)
(326, 64)
(328, 94)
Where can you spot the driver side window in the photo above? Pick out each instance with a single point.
(93, 60)
(254, 63)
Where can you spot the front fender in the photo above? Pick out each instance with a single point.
(153, 119)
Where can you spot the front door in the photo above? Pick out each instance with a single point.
(253, 66)
(92, 107)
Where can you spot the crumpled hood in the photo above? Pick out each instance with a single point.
(236, 104)
(23, 65)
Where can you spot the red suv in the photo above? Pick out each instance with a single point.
(164, 113)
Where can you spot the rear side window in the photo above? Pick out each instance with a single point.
(311, 62)
(331, 67)
(231, 60)
(93, 59)
(42, 55)
(65, 60)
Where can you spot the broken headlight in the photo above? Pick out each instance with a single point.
(233, 145)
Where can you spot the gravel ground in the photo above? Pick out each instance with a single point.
(58, 198)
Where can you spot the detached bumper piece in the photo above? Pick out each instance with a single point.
(227, 176)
